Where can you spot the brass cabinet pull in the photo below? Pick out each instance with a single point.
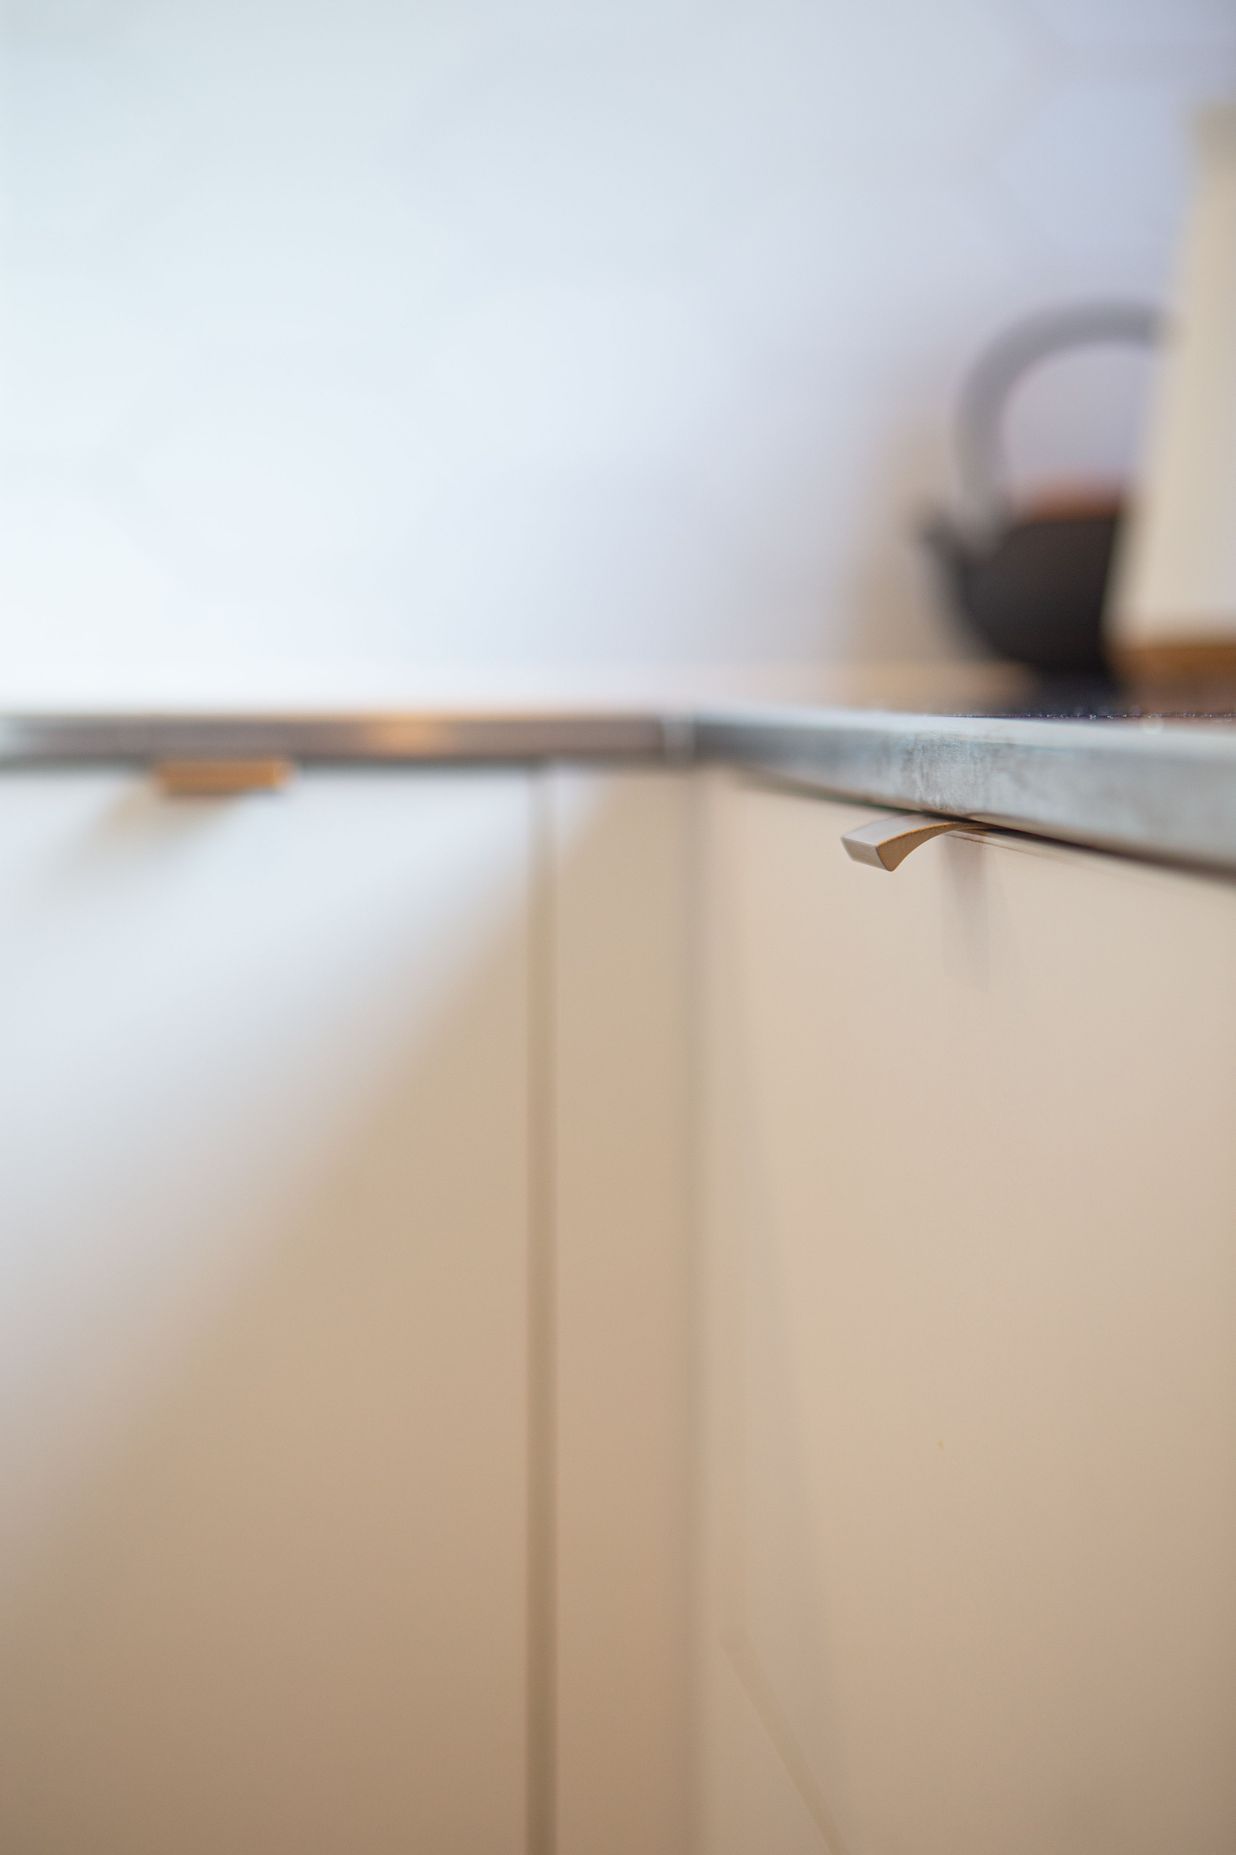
(221, 779)
(887, 842)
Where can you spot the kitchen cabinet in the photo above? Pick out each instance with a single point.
(344, 1384)
(968, 1405)
(547, 1309)
(266, 1206)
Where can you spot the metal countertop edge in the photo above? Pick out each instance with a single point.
(399, 738)
(1159, 791)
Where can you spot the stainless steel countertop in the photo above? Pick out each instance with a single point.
(1150, 787)
(362, 737)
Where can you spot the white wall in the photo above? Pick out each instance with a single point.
(360, 340)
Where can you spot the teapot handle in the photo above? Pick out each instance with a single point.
(986, 389)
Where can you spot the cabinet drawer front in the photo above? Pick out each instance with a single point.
(970, 1223)
(263, 1353)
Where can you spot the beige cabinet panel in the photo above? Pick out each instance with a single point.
(263, 1229)
(969, 1215)
(620, 1126)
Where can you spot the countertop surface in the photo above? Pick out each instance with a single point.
(1153, 777)
(1150, 785)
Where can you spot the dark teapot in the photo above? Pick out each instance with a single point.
(1031, 581)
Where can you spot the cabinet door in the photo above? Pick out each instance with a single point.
(263, 1420)
(970, 1256)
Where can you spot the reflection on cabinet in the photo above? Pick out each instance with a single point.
(263, 1415)
(970, 1272)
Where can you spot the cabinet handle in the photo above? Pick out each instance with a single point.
(220, 779)
(887, 842)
